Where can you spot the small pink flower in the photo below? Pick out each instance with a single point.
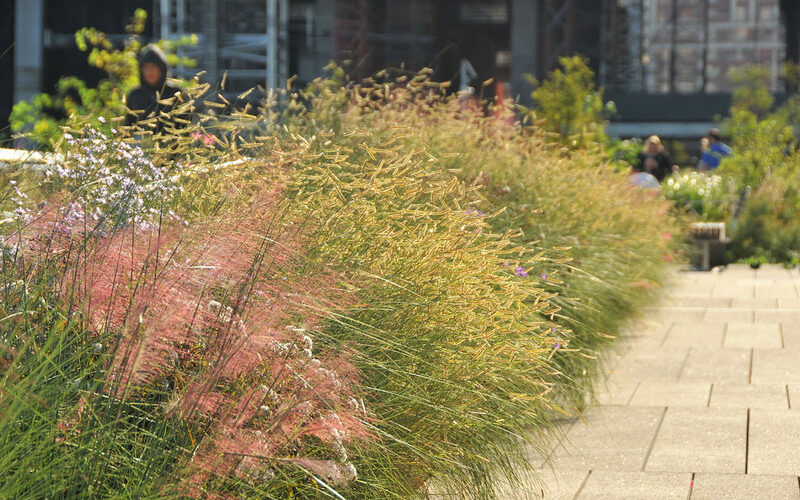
(666, 236)
(208, 140)
(196, 135)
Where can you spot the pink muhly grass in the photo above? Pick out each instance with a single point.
(206, 308)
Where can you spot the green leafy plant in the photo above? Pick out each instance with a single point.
(570, 103)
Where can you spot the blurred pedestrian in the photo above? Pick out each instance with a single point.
(143, 101)
(654, 159)
(715, 152)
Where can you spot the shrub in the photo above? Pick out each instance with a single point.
(707, 196)
(570, 103)
(765, 160)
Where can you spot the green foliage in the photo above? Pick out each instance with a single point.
(46, 113)
(765, 159)
(760, 147)
(624, 153)
(570, 103)
(707, 196)
(751, 89)
(769, 226)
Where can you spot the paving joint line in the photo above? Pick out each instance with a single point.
(691, 487)
(780, 330)
(666, 335)
(583, 485)
(683, 365)
(655, 436)
(724, 335)
(710, 392)
(633, 394)
(747, 443)
(788, 399)
(750, 371)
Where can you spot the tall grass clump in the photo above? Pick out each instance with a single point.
(364, 292)
(332, 326)
(602, 245)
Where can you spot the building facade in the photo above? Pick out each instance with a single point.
(690, 46)
(644, 51)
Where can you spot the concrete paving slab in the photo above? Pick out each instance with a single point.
(753, 335)
(700, 440)
(791, 336)
(613, 485)
(718, 315)
(614, 438)
(788, 303)
(651, 365)
(776, 366)
(611, 392)
(678, 314)
(776, 291)
(700, 301)
(695, 335)
(744, 487)
(774, 445)
(694, 394)
(639, 341)
(544, 484)
(727, 395)
(727, 290)
(729, 365)
(754, 302)
(791, 316)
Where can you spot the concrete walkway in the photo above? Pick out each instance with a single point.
(700, 403)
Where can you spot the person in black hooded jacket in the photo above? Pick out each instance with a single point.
(143, 101)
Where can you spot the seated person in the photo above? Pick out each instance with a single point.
(715, 152)
(654, 150)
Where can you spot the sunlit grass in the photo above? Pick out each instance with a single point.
(458, 275)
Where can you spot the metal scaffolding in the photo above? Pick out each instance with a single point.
(246, 40)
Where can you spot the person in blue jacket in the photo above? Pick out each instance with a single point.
(715, 152)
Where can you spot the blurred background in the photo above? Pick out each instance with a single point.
(664, 63)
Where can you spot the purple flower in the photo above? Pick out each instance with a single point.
(557, 346)
(521, 272)
(544, 277)
(506, 264)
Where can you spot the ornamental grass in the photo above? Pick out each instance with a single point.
(363, 292)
